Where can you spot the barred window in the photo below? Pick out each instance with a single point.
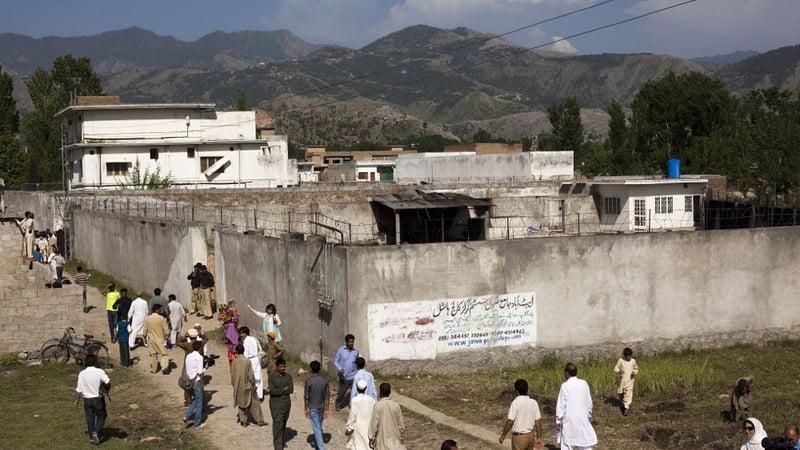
(612, 205)
(688, 203)
(663, 205)
(117, 169)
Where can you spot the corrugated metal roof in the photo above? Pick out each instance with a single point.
(414, 199)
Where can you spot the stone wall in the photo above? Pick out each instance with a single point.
(32, 312)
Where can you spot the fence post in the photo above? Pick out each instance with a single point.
(290, 221)
(220, 214)
(255, 219)
(579, 224)
(508, 230)
(350, 233)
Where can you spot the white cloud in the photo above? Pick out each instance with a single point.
(562, 45)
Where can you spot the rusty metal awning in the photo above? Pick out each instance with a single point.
(414, 199)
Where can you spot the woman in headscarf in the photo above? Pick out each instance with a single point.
(753, 434)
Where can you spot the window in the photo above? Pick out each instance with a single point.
(612, 205)
(208, 161)
(639, 213)
(154, 153)
(663, 205)
(117, 169)
(190, 152)
(687, 203)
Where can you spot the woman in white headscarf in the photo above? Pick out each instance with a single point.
(754, 433)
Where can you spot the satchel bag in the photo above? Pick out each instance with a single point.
(185, 382)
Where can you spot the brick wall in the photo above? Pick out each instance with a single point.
(31, 311)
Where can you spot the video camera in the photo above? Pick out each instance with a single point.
(776, 443)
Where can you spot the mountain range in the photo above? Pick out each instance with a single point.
(416, 81)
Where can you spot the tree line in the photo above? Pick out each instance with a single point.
(752, 140)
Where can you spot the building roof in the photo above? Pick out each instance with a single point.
(642, 180)
(132, 106)
(414, 199)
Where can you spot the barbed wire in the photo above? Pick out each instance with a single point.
(716, 215)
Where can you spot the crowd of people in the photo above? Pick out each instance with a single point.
(374, 421)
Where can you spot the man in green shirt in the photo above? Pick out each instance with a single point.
(280, 387)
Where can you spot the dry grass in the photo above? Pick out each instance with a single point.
(681, 398)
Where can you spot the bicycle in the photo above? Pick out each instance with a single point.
(64, 348)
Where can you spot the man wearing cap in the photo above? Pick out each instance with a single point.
(317, 399)
(275, 352)
(186, 344)
(523, 419)
(361, 407)
(345, 363)
(366, 376)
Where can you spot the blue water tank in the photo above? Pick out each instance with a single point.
(674, 168)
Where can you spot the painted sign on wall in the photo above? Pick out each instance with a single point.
(422, 329)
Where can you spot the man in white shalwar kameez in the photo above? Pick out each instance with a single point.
(251, 349)
(136, 316)
(574, 412)
(361, 407)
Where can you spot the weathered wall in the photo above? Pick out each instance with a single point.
(292, 274)
(141, 254)
(596, 289)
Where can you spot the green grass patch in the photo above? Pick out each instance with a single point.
(38, 412)
(680, 400)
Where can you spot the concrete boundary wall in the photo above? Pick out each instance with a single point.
(674, 287)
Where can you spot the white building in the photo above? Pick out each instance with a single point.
(193, 143)
(645, 204)
(468, 167)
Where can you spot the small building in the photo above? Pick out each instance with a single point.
(193, 143)
(649, 203)
(361, 165)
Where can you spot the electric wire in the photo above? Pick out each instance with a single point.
(490, 60)
(471, 43)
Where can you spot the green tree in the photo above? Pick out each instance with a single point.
(768, 133)
(13, 161)
(9, 116)
(240, 102)
(565, 119)
(73, 77)
(617, 126)
(482, 136)
(670, 114)
(41, 131)
(50, 92)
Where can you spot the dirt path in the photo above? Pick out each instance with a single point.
(221, 430)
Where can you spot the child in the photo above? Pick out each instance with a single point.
(122, 340)
(627, 369)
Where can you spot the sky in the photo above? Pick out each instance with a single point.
(698, 28)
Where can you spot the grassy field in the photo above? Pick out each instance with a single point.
(38, 411)
(681, 398)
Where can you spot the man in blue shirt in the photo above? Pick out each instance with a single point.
(345, 362)
(792, 434)
(364, 374)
